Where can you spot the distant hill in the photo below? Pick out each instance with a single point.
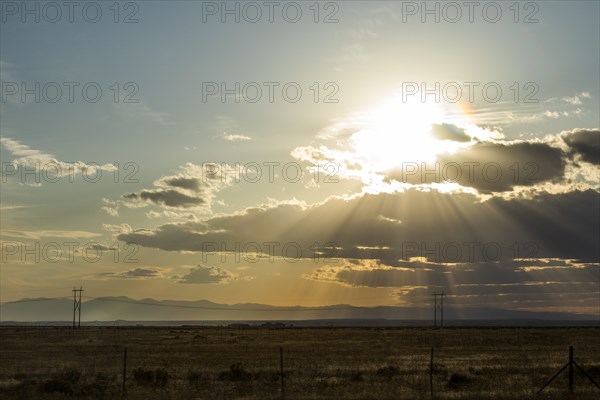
(124, 308)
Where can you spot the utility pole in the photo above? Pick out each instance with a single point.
(77, 306)
(438, 305)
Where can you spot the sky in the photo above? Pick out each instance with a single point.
(302, 153)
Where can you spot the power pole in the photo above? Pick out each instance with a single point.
(441, 307)
(77, 306)
(438, 306)
(434, 310)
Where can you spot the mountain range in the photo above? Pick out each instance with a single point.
(127, 309)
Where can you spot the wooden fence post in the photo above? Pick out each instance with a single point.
(124, 371)
(281, 373)
(570, 365)
(431, 373)
(571, 369)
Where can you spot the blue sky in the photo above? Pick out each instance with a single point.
(364, 61)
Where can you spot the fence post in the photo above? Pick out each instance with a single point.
(571, 369)
(570, 365)
(124, 371)
(431, 373)
(281, 373)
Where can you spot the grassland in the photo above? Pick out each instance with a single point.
(319, 363)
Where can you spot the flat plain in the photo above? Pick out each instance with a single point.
(318, 363)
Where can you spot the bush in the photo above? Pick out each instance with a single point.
(57, 386)
(70, 375)
(158, 378)
(388, 371)
(103, 377)
(142, 376)
(356, 376)
(95, 390)
(193, 378)
(161, 378)
(457, 381)
(236, 373)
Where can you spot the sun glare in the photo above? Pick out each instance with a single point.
(397, 132)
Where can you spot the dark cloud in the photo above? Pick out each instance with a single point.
(182, 182)
(551, 296)
(506, 276)
(167, 197)
(536, 282)
(101, 247)
(585, 142)
(489, 167)
(449, 132)
(207, 274)
(443, 227)
(195, 187)
(137, 273)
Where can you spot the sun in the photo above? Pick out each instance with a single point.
(397, 132)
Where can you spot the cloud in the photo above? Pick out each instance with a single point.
(481, 160)
(101, 247)
(207, 274)
(172, 215)
(577, 99)
(371, 273)
(490, 166)
(6, 207)
(137, 273)
(182, 182)
(113, 212)
(433, 224)
(53, 168)
(123, 228)
(531, 282)
(449, 132)
(167, 197)
(193, 188)
(585, 143)
(536, 163)
(236, 137)
(49, 234)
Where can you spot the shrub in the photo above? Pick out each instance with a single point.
(457, 381)
(356, 376)
(103, 377)
(157, 378)
(20, 377)
(236, 373)
(388, 371)
(142, 376)
(57, 386)
(193, 378)
(70, 375)
(161, 378)
(95, 390)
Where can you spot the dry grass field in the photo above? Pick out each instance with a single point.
(318, 363)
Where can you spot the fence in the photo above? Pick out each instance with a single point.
(226, 363)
